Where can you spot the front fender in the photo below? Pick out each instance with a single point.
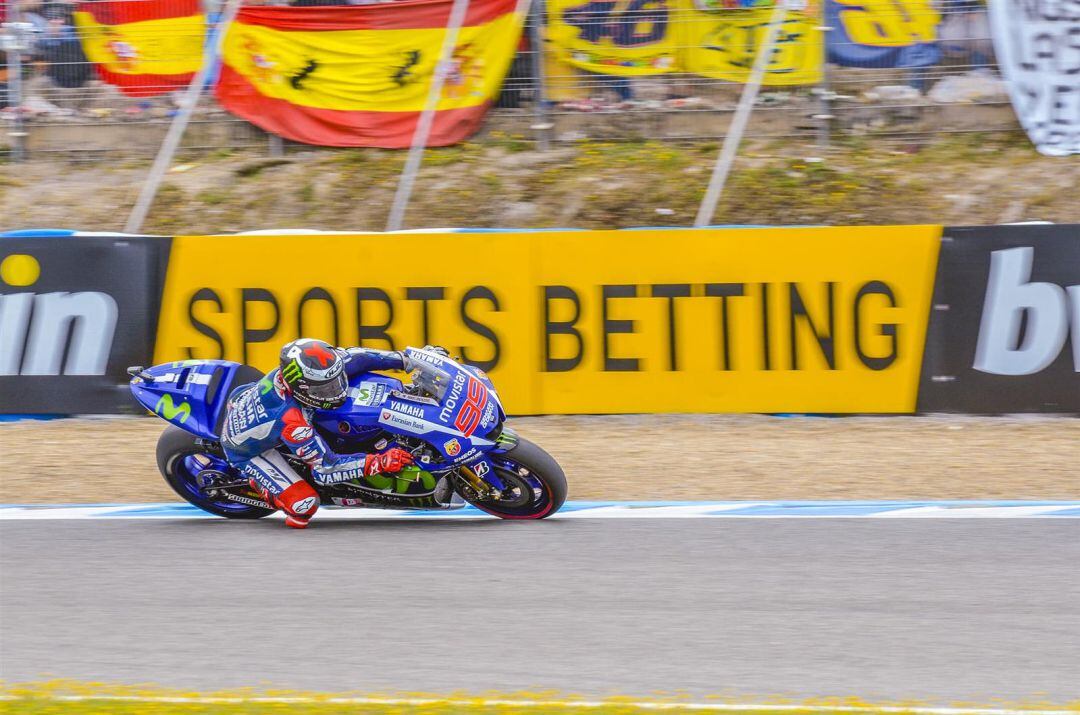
(506, 441)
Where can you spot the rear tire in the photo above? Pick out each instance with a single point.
(544, 475)
(173, 445)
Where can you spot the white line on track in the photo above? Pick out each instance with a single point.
(558, 704)
(611, 510)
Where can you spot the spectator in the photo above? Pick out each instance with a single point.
(965, 31)
(60, 49)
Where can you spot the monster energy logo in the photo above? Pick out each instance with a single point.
(292, 372)
(169, 411)
(401, 482)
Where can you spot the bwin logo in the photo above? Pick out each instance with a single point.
(1051, 312)
(39, 330)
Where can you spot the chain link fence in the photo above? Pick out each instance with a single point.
(612, 69)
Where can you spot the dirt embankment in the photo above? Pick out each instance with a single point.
(500, 181)
(643, 457)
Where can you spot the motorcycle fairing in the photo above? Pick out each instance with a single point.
(357, 419)
(190, 394)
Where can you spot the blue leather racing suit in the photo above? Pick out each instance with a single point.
(263, 415)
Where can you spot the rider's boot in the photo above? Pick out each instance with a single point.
(299, 502)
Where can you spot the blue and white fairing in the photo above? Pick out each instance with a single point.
(462, 420)
(190, 394)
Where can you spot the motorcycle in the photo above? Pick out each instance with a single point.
(449, 417)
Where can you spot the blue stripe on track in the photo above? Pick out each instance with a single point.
(609, 509)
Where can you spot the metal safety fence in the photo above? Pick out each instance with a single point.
(664, 69)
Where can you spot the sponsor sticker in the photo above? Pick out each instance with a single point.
(304, 505)
(407, 422)
(453, 397)
(244, 500)
(298, 433)
(452, 447)
(481, 469)
(369, 393)
(471, 454)
(407, 409)
(426, 357)
(413, 398)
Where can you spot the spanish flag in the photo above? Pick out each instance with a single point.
(144, 47)
(360, 75)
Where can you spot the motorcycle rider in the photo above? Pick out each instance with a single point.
(280, 408)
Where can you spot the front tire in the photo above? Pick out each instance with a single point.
(173, 445)
(533, 483)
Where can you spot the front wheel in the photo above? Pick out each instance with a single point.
(530, 484)
(173, 446)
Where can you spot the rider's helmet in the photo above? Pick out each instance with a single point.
(314, 373)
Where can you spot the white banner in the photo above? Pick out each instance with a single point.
(1038, 49)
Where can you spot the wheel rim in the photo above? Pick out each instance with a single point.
(189, 484)
(525, 493)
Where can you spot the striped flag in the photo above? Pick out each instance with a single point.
(144, 47)
(360, 75)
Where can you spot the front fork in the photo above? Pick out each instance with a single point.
(472, 475)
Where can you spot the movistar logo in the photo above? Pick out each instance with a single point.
(169, 411)
(265, 386)
(292, 372)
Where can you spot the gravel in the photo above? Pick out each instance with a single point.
(94, 460)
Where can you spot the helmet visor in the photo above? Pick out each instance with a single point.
(332, 390)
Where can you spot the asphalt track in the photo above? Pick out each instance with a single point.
(940, 610)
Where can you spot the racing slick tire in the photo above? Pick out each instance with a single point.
(173, 445)
(536, 480)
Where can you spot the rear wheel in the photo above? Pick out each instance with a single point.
(530, 484)
(173, 447)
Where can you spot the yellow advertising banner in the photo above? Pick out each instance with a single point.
(725, 44)
(823, 320)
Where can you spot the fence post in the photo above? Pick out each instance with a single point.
(275, 145)
(734, 136)
(825, 112)
(13, 47)
(179, 124)
(427, 118)
(542, 125)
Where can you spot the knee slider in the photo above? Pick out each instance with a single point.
(299, 500)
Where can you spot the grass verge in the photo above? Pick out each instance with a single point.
(67, 697)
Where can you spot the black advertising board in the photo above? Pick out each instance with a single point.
(1004, 331)
(75, 311)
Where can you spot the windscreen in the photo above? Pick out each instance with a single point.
(432, 380)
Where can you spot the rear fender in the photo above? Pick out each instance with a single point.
(190, 394)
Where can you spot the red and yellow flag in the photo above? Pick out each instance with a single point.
(144, 47)
(360, 75)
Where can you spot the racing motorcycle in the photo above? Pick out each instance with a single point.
(449, 417)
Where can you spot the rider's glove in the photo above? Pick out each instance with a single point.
(408, 364)
(392, 461)
(438, 350)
